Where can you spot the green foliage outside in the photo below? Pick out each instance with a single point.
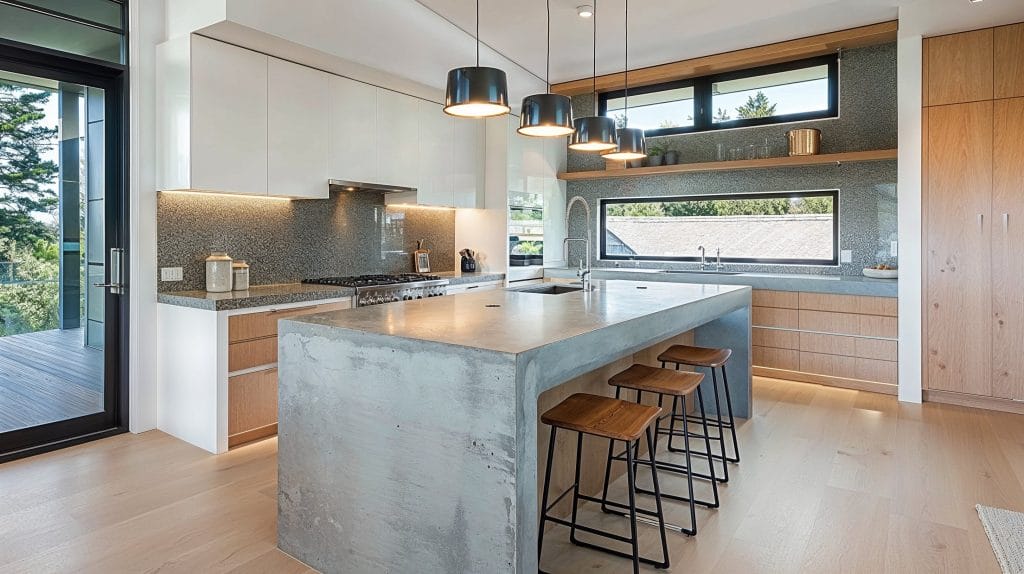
(528, 248)
(780, 206)
(28, 241)
(757, 106)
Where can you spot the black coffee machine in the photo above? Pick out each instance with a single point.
(468, 260)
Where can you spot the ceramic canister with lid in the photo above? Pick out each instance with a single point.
(240, 271)
(218, 273)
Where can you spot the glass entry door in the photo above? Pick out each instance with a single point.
(61, 258)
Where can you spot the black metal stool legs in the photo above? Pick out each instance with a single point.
(630, 508)
(731, 425)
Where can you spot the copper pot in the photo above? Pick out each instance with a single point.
(804, 141)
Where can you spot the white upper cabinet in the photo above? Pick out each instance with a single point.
(354, 136)
(434, 165)
(398, 138)
(212, 110)
(468, 163)
(297, 131)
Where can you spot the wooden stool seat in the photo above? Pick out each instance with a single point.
(602, 416)
(695, 356)
(655, 380)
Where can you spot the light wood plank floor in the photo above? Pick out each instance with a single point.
(48, 376)
(831, 481)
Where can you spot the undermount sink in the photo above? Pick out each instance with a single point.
(549, 289)
(681, 272)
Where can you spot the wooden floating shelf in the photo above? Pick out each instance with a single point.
(769, 163)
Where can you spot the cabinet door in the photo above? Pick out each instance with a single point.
(468, 163)
(516, 168)
(1009, 61)
(229, 118)
(960, 68)
(297, 111)
(1007, 260)
(397, 138)
(959, 207)
(434, 160)
(353, 131)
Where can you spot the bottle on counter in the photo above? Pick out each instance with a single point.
(240, 275)
(218, 272)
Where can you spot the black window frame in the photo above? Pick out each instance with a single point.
(703, 108)
(832, 193)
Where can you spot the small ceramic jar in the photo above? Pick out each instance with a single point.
(240, 271)
(218, 273)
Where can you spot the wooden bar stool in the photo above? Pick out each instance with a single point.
(614, 420)
(711, 359)
(679, 385)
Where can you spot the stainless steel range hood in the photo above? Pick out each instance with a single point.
(363, 186)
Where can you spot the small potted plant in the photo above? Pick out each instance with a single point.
(655, 155)
(527, 253)
(671, 157)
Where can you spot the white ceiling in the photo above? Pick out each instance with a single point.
(420, 40)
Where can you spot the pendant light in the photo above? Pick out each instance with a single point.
(631, 140)
(546, 115)
(594, 133)
(475, 91)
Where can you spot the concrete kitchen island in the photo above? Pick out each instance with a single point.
(408, 432)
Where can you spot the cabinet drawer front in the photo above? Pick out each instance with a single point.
(777, 299)
(249, 354)
(828, 322)
(849, 304)
(876, 371)
(775, 338)
(831, 365)
(880, 349)
(828, 344)
(252, 401)
(877, 326)
(786, 359)
(769, 317)
(258, 325)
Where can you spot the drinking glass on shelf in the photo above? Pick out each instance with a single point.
(736, 153)
(720, 152)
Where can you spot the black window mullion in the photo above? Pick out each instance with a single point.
(702, 104)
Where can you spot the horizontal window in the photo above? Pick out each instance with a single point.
(794, 91)
(782, 228)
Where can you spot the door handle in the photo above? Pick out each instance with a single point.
(981, 221)
(116, 284)
(1006, 222)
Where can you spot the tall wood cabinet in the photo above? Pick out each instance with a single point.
(974, 213)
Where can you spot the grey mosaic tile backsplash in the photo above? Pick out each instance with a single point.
(867, 206)
(284, 241)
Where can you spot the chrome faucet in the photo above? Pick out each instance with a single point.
(703, 258)
(583, 271)
(718, 263)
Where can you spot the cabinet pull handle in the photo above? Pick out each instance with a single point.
(981, 221)
(1006, 222)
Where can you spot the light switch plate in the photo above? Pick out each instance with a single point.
(846, 256)
(171, 274)
(893, 248)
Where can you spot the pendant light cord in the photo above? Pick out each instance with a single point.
(477, 33)
(547, 64)
(595, 58)
(625, 111)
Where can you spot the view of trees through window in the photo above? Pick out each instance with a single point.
(28, 209)
(790, 228)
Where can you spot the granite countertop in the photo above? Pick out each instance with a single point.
(834, 284)
(263, 295)
(510, 321)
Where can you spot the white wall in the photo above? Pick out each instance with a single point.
(145, 31)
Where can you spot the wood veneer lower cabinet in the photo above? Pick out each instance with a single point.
(252, 406)
(839, 340)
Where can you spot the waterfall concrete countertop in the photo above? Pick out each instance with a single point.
(263, 295)
(835, 284)
(408, 432)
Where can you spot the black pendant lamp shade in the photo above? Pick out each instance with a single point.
(631, 145)
(594, 133)
(546, 115)
(476, 91)
(631, 140)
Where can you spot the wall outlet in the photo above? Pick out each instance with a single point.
(846, 256)
(893, 249)
(171, 274)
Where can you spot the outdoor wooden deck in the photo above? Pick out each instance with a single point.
(46, 377)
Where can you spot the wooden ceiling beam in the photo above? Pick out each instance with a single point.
(787, 51)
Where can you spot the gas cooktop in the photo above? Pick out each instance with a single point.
(373, 280)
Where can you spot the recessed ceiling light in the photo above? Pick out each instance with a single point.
(975, 1)
(587, 11)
